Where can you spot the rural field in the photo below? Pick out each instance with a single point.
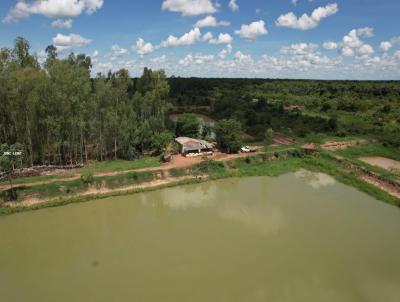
(199, 150)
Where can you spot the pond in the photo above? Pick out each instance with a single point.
(298, 237)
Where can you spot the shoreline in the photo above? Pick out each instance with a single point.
(268, 168)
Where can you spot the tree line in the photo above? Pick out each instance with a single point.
(60, 115)
(298, 107)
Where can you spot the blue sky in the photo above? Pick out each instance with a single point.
(342, 39)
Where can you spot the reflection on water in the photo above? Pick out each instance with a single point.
(250, 239)
(315, 179)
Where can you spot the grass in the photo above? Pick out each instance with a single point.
(121, 165)
(370, 150)
(272, 163)
(69, 188)
(26, 180)
(94, 167)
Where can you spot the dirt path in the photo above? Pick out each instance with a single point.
(177, 162)
(388, 188)
(94, 191)
(333, 146)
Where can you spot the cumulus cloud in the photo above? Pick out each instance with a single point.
(352, 44)
(52, 9)
(243, 58)
(385, 46)
(306, 22)
(299, 48)
(367, 32)
(159, 60)
(252, 30)
(142, 48)
(365, 49)
(118, 51)
(329, 45)
(61, 23)
(63, 42)
(189, 7)
(210, 21)
(188, 38)
(222, 39)
(196, 59)
(225, 52)
(233, 5)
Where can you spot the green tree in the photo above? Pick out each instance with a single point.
(268, 137)
(188, 125)
(160, 141)
(229, 135)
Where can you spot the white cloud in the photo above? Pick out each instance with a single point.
(252, 30)
(329, 45)
(93, 5)
(186, 60)
(118, 51)
(299, 48)
(210, 21)
(243, 58)
(365, 49)
(347, 51)
(395, 40)
(196, 59)
(225, 52)
(208, 36)
(52, 9)
(159, 60)
(189, 38)
(352, 44)
(385, 46)
(189, 7)
(222, 39)
(352, 40)
(61, 23)
(306, 22)
(142, 48)
(367, 32)
(63, 42)
(233, 5)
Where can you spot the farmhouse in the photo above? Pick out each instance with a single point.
(189, 146)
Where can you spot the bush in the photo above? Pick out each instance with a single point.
(87, 178)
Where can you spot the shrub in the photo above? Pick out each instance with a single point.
(87, 178)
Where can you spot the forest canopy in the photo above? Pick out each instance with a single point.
(61, 115)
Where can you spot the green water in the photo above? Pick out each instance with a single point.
(297, 237)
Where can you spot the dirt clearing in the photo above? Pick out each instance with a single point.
(382, 162)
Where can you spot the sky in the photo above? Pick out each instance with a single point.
(306, 39)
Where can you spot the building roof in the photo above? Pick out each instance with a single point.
(193, 144)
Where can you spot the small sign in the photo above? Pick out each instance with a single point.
(8, 153)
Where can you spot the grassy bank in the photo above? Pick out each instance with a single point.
(93, 167)
(266, 164)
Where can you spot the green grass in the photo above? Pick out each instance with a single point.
(26, 180)
(60, 189)
(370, 150)
(94, 167)
(121, 165)
(267, 164)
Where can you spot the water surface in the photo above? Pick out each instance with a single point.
(297, 237)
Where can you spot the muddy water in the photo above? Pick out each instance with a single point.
(297, 237)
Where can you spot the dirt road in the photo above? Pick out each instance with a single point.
(177, 162)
